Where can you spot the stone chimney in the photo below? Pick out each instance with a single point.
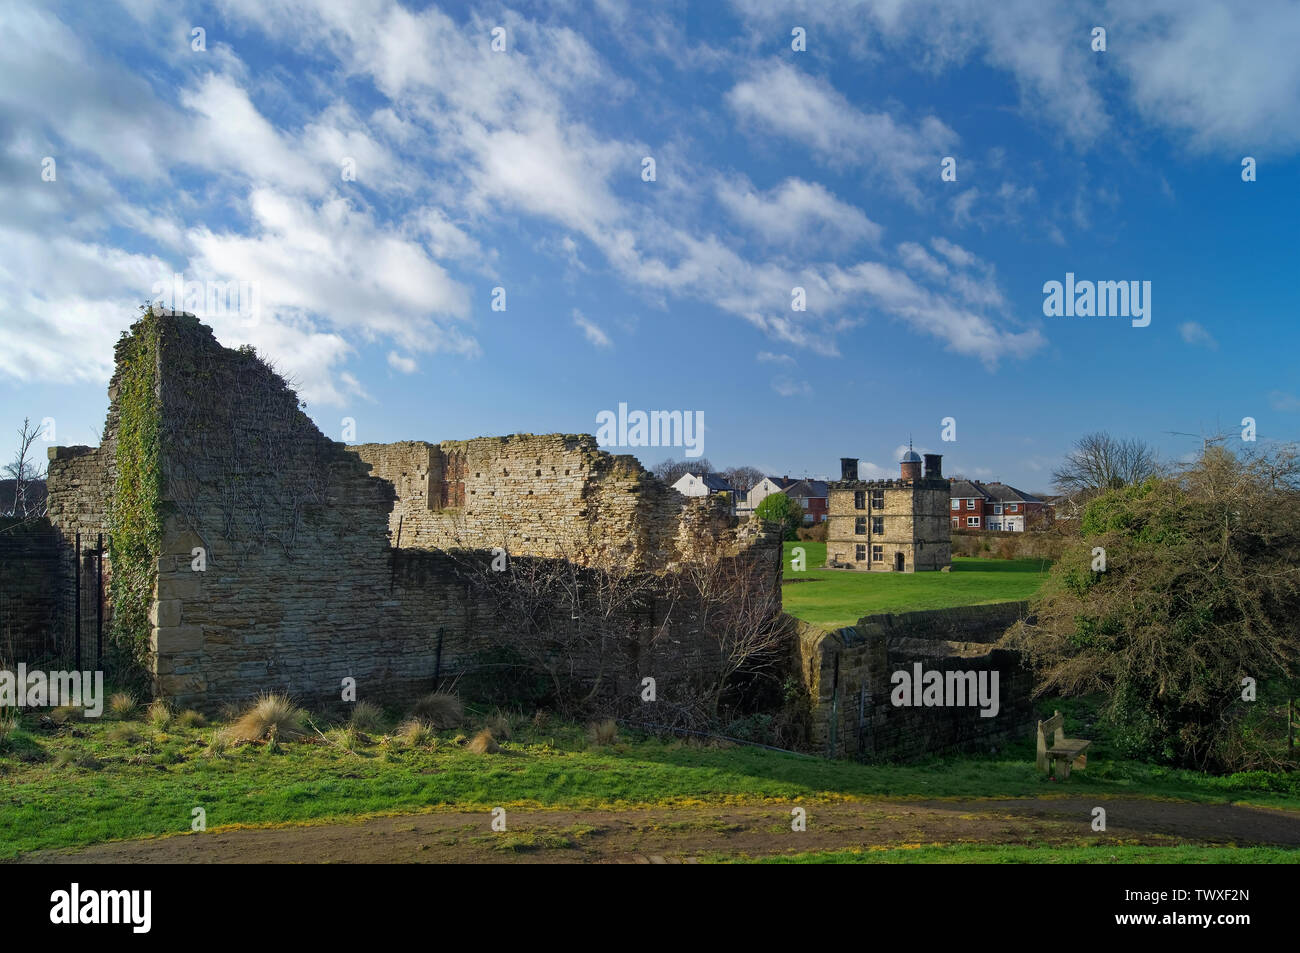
(848, 468)
(934, 466)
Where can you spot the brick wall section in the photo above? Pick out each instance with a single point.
(847, 674)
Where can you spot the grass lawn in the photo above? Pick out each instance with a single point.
(89, 782)
(838, 597)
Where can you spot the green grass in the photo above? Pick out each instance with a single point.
(60, 790)
(1018, 854)
(838, 597)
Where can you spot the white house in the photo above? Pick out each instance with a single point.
(703, 484)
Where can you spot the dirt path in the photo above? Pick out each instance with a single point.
(675, 835)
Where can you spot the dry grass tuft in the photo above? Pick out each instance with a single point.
(349, 738)
(603, 732)
(367, 716)
(190, 718)
(123, 734)
(122, 705)
(442, 710)
(483, 743)
(160, 714)
(415, 733)
(272, 717)
(499, 724)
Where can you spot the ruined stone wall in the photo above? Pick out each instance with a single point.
(278, 567)
(847, 674)
(553, 495)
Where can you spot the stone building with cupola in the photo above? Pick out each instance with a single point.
(893, 525)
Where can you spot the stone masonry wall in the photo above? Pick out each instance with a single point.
(300, 584)
(553, 495)
(32, 614)
(847, 674)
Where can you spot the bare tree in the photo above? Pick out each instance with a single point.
(743, 479)
(25, 471)
(735, 605)
(1102, 462)
(670, 470)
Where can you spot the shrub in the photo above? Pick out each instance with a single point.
(442, 710)
(1198, 589)
(122, 705)
(603, 732)
(273, 717)
(160, 714)
(483, 743)
(813, 534)
(367, 716)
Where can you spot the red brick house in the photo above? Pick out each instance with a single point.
(995, 506)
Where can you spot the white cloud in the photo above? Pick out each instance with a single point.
(401, 363)
(789, 387)
(591, 330)
(1195, 334)
(795, 209)
(779, 98)
(1225, 77)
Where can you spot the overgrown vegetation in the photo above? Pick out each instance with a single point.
(1180, 606)
(135, 519)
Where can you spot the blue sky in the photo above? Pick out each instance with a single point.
(774, 169)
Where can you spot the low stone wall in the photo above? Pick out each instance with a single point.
(848, 674)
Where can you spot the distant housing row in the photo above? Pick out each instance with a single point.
(974, 504)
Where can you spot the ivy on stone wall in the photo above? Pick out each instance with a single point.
(135, 511)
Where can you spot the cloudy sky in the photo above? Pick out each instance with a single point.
(373, 170)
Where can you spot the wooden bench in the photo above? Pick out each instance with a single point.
(1063, 753)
